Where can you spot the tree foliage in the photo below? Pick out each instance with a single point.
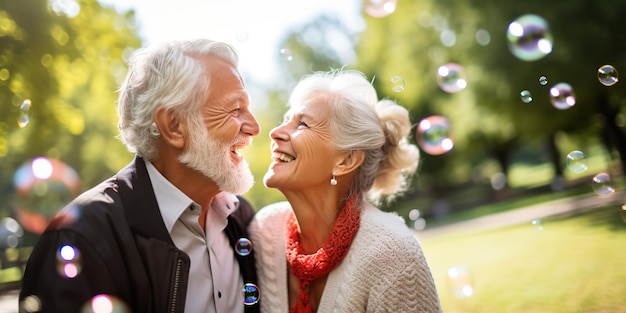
(489, 119)
(67, 58)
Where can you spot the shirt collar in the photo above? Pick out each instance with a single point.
(225, 203)
(172, 202)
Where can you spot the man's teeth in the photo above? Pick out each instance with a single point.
(284, 157)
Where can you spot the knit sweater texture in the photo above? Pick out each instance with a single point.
(384, 271)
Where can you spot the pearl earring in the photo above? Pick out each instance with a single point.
(333, 181)
(154, 130)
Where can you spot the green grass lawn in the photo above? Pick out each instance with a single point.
(575, 264)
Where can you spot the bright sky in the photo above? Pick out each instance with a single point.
(253, 27)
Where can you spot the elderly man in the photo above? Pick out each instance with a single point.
(168, 232)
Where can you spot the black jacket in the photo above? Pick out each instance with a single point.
(124, 250)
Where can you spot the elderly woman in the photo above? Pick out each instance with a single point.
(339, 152)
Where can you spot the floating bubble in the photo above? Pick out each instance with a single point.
(414, 214)
(433, 135)
(24, 113)
(379, 8)
(43, 187)
(543, 80)
(42, 168)
(68, 261)
(30, 304)
(243, 246)
(105, 304)
(607, 75)
(447, 38)
(419, 224)
(538, 224)
(483, 37)
(576, 161)
(526, 96)
(529, 37)
(10, 233)
(397, 84)
(67, 253)
(562, 96)
(498, 181)
(603, 185)
(460, 281)
(286, 55)
(451, 77)
(251, 294)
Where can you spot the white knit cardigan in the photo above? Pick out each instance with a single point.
(384, 270)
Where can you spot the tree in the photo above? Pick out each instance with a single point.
(67, 58)
(488, 115)
(318, 45)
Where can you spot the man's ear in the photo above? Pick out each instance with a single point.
(171, 128)
(350, 162)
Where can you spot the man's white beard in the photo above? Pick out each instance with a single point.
(212, 158)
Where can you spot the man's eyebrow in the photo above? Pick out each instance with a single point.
(236, 96)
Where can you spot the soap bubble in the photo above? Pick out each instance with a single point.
(483, 37)
(103, 303)
(43, 187)
(433, 135)
(451, 77)
(251, 294)
(397, 84)
(603, 185)
(11, 233)
(607, 75)
(529, 37)
(576, 161)
(243, 246)
(379, 8)
(419, 223)
(460, 281)
(414, 214)
(24, 113)
(286, 55)
(68, 261)
(498, 181)
(562, 96)
(30, 304)
(526, 96)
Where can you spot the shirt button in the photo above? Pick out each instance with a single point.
(219, 294)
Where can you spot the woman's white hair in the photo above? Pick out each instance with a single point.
(361, 122)
(169, 74)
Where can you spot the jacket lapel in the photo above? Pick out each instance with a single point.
(140, 203)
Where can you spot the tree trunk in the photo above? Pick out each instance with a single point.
(557, 165)
(613, 136)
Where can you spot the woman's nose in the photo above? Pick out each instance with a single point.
(278, 133)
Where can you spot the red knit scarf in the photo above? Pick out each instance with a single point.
(308, 267)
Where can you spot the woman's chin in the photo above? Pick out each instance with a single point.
(270, 181)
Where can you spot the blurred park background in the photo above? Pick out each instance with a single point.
(515, 103)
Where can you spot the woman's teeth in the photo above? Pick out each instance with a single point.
(283, 157)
